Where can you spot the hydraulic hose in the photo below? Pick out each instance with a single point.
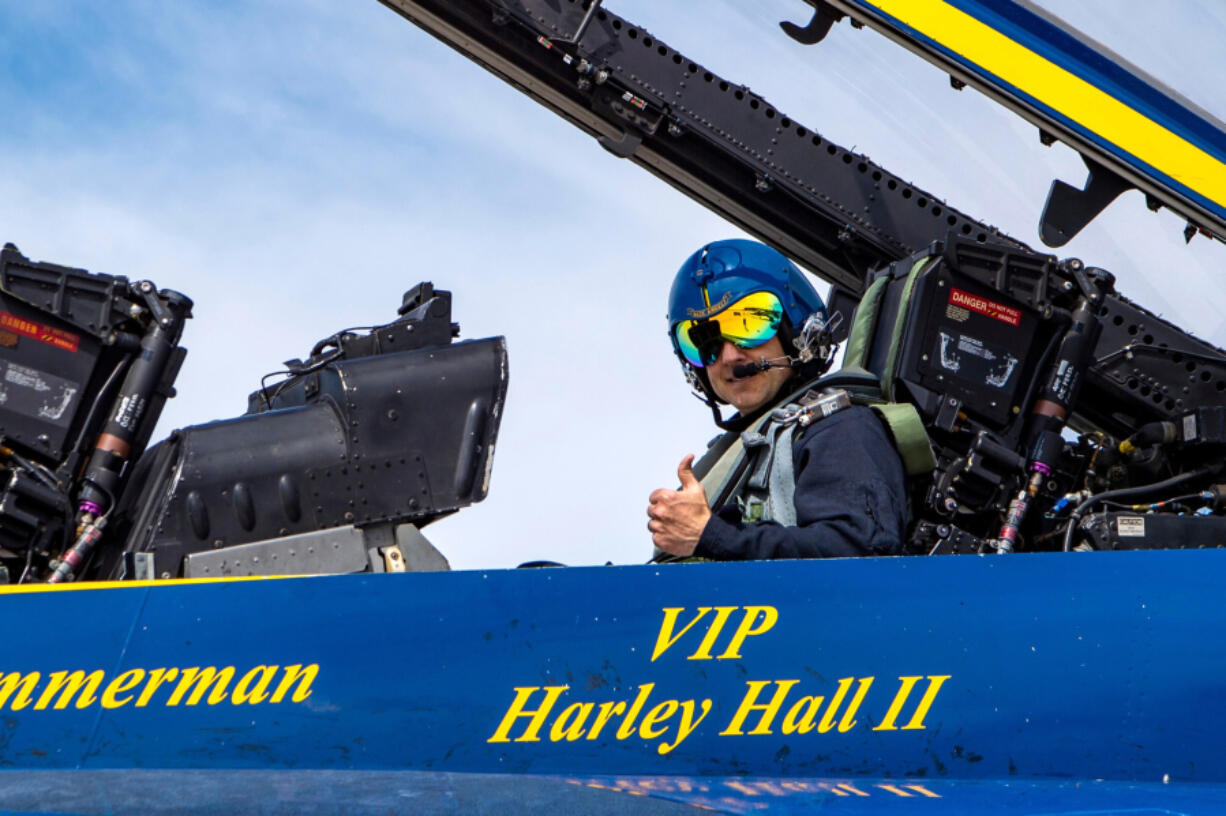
(1127, 492)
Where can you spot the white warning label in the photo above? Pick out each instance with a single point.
(35, 393)
(1130, 526)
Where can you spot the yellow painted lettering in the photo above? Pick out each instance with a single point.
(69, 685)
(124, 682)
(244, 692)
(607, 711)
(561, 730)
(801, 787)
(900, 699)
(535, 718)
(750, 625)
(722, 613)
(304, 676)
(687, 726)
(794, 723)
(626, 729)
(156, 678)
(848, 720)
(658, 714)
(749, 705)
(665, 639)
(23, 684)
(849, 717)
(827, 723)
(921, 711)
(197, 680)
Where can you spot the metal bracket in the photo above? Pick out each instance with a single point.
(501, 14)
(138, 566)
(336, 550)
(393, 559)
(625, 147)
(583, 24)
(947, 413)
(1068, 210)
(824, 16)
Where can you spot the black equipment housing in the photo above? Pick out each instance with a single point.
(1152, 531)
(67, 339)
(57, 326)
(335, 467)
(978, 325)
(393, 426)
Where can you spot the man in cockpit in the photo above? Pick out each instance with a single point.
(810, 474)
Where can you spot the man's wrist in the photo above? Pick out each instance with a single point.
(715, 539)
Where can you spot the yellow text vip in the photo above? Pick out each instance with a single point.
(550, 713)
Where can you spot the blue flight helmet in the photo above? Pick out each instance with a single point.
(721, 273)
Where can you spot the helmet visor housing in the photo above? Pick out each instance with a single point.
(747, 323)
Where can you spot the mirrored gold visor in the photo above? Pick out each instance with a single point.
(749, 322)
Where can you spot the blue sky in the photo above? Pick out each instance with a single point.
(295, 166)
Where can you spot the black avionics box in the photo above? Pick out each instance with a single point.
(52, 321)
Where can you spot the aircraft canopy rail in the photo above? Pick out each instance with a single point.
(1131, 130)
(830, 209)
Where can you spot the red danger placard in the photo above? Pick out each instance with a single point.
(998, 311)
(40, 332)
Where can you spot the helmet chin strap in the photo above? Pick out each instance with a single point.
(703, 392)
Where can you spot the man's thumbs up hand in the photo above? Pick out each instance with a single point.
(689, 482)
(679, 516)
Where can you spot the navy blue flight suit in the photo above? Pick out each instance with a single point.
(851, 498)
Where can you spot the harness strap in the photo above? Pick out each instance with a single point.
(716, 467)
(728, 471)
(768, 494)
(781, 488)
(900, 321)
(901, 418)
(721, 471)
(761, 448)
(910, 437)
(860, 335)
